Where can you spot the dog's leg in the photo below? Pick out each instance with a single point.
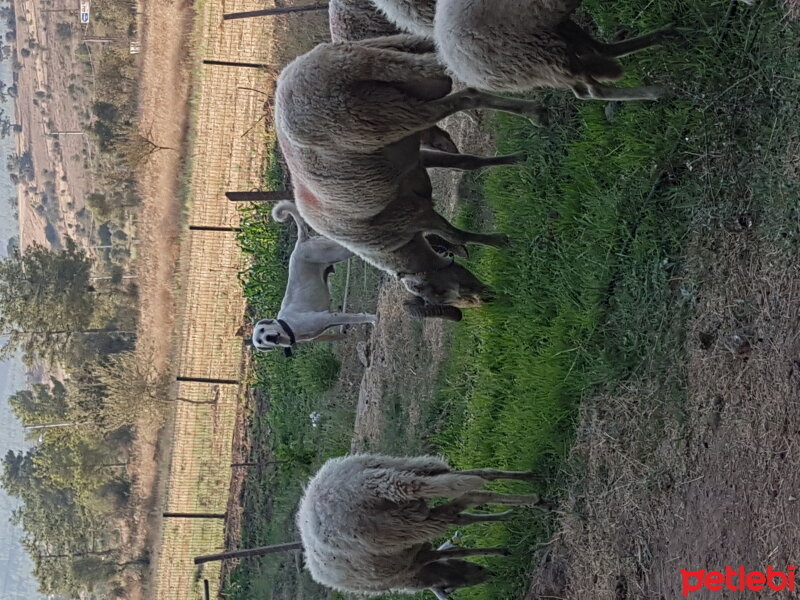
(338, 318)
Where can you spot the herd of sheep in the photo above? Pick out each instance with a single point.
(357, 123)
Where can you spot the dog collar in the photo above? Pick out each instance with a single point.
(285, 325)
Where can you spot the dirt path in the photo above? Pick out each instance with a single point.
(163, 105)
(711, 484)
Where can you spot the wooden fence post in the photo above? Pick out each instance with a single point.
(207, 380)
(212, 228)
(273, 196)
(227, 63)
(269, 12)
(171, 515)
(287, 547)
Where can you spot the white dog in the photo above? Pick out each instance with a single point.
(305, 311)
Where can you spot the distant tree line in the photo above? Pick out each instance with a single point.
(73, 483)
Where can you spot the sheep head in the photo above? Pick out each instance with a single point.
(453, 286)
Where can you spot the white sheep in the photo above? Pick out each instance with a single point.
(366, 524)
(413, 16)
(518, 45)
(352, 20)
(348, 118)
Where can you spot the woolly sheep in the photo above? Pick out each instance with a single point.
(348, 118)
(353, 20)
(366, 525)
(518, 45)
(413, 16)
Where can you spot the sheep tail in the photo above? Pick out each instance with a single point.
(285, 209)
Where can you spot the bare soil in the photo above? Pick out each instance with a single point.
(163, 105)
(404, 363)
(49, 110)
(660, 487)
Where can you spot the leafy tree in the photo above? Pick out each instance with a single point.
(44, 297)
(120, 389)
(61, 529)
(93, 571)
(41, 404)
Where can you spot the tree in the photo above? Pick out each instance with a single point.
(122, 388)
(63, 524)
(41, 403)
(136, 148)
(92, 571)
(119, 389)
(44, 296)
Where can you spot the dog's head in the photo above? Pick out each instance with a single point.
(269, 334)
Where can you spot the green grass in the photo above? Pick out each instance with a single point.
(286, 444)
(593, 292)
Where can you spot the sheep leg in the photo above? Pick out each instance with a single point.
(466, 162)
(442, 246)
(598, 91)
(471, 518)
(492, 474)
(448, 553)
(470, 99)
(486, 497)
(583, 41)
(403, 42)
(625, 47)
(443, 228)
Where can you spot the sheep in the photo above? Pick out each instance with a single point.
(366, 525)
(348, 117)
(416, 568)
(518, 45)
(413, 16)
(353, 20)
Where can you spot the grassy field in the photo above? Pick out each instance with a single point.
(595, 292)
